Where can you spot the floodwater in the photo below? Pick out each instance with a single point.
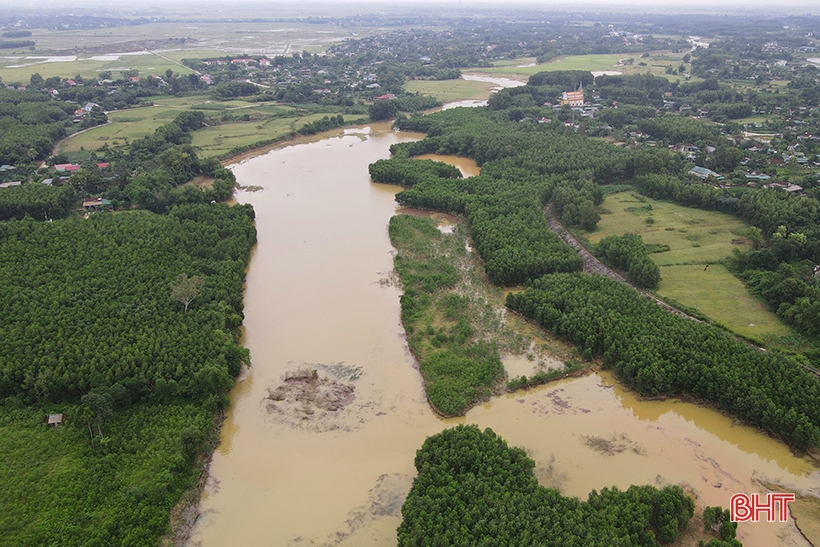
(320, 297)
(467, 166)
(500, 83)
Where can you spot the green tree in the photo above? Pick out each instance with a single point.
(755, 237)
(383, 110)
(98, 407)
(36, 80)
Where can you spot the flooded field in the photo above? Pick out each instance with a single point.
(318, 447)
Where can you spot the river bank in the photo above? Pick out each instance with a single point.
(319, 295)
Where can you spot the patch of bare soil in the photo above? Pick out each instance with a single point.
(614, 445)
(317, 397)
(552, 402)
(201, 181)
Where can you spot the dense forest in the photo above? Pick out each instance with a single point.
(629, 254)
(473, 489)
(30, 124)
(125, 322)
(87, 304)
(100, 323)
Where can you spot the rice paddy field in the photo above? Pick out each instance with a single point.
(450, 90)
(155, 47)
(690, 270)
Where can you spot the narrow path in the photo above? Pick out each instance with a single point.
(172, 61)
(58, 145)
(593, 265)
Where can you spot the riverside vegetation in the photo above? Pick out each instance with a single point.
(473, 489)
(523, 166)
(454, 317)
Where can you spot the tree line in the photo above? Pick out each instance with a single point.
(658, 353)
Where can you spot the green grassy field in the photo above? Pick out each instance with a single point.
(221, 139)
(20, 68)
(450, 90)
(58, 488)
(696, 238)
(722, 297)
(135, 123)
(753, 119)
(571, 62)
(124, 124)
(655, 64)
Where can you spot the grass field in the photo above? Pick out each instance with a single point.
(696, 238)
(722, 297)
(450, 90)
(524, 67)
(20, 67)
(753, 119)
(211, 141)
(220, 139)
(656, 64)
(135, 123)
(124, 124)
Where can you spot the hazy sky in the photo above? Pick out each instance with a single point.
(306, 7)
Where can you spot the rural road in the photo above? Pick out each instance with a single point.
(593, 265)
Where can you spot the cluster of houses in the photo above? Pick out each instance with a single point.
(89, 204)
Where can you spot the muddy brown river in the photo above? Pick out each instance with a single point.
(320, 297)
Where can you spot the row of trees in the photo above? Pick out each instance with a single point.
(629, 254)
(473, 489)
(658, 353)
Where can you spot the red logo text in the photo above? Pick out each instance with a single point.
(745, 508)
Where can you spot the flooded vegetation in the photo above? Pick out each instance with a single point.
(319, 297)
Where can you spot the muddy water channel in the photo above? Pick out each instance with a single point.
(318, 447)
